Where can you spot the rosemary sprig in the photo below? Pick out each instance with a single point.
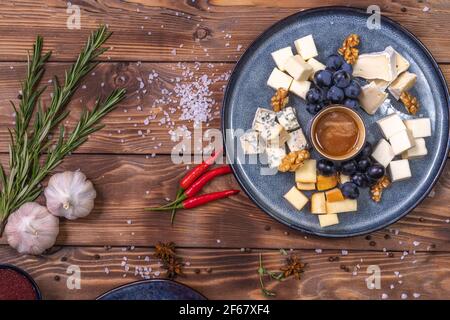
(30, 142)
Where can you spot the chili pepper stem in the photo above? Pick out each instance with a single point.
(164, 208)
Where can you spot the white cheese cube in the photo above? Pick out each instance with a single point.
(307, 173)
(306, 47)
(275, 155)
(327, 220)
(297, 140)
(288, 118)
(298, 68)
(251, 143)
(371, 98)
(296, 198)
(383, 153)
(316, 65)
(279, 79)
(401, 141)
(263, 118)
(399, 170)
(300, 88)
(274, 135)
(391, 125)
(376, 65)
(420, 128)
(347, 205)
(404, 82)
(280, 57)
(418, 151)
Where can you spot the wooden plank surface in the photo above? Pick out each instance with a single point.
(232, 274)
(219, 26)
(126, 128)
(119, 218)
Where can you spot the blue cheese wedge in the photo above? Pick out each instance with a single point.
(279, 79)
(420, 128)
(296, 198)
(251, 143)
(401, 141)
(297, 140)
(275, 155)
(280, 56)
(288, 119)
(306, 47)
(418, 151)
(371, 98)
(274, 135)
(300, 88)
(383, 153)
(263, 118)
(326, 220)
(298, 68)
(403, 83)
(400, 170)
(391, 125)
(377, 65)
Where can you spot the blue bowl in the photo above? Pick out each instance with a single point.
(247, 91)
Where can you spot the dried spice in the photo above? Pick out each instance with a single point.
(280, 99)
(376, 190)
(170, 262)
(349, 50)
(410, 102)
(294, 160)
(15, 286)
(294, 267)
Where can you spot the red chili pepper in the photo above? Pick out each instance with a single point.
(198, 185)
(195, 173)
(199, 200)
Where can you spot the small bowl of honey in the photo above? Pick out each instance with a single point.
(338, 133)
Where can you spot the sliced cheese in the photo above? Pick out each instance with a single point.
(297, 140)
(300, 88)
(279, 79)
(263, 118)
(305, 186)
(419, 150)
(404, 82)
(280, 56)
(347, 205)
(420, 128)
(306, 47)
(296, 198)
(399, 170)
(401, 63)
(288, 119)
(307, 173)
(371, 98)
(391, 125)
(318, 203)
(383, 153)
(326, 220)
(401, 141)
(376, 65)
(298, 68)
(251, 143)
(334, 195)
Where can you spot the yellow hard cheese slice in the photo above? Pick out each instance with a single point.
(347, 205)
(306, 186)
(307, 173)
(318, 203)
(296, 198)
(327, 220)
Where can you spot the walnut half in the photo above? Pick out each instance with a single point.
(294, 160)
(411, 103)
(348, 50)
(280, 99)
(377, 190)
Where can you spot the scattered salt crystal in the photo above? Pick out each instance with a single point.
(416, 243)
(426, 9)
(83, 86)
(318, 250)
(106, 270)
(174, 52)
(147, 259)
(404, 296)
(416, 295)
(344, 252)
(218, 241)
(384, 296)
(392, 287)
(123, 263)
(239, 47)
(129, 221)
(157, 273)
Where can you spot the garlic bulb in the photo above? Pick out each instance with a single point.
(70, 195)
(31, 229)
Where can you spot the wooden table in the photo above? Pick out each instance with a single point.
(131, 166)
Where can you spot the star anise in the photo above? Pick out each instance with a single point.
(165, 251)
(174, 268)
(293, 267)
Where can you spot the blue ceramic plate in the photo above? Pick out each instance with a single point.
(159, 289)
(247, 91)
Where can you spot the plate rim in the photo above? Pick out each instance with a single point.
(131, 284)
(410, 35)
